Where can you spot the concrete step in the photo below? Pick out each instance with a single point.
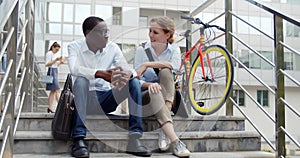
(103, 123)
(240, 154)
(41, 142)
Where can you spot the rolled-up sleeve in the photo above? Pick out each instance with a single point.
(76, 64)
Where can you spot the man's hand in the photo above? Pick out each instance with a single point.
(120, 78)
(107, 75)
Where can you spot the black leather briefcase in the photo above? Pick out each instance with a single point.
(64, 114)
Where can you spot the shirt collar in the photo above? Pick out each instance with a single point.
(85, 47)
(169, 47)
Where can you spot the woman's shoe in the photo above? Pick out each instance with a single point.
(49, 110)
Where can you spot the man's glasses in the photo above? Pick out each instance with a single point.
(104, 33)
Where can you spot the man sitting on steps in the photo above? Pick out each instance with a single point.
(90, 62)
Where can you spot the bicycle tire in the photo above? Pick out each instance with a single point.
(208, 95)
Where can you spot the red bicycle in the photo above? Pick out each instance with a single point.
(207, 82)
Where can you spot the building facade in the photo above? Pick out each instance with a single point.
(60, 20)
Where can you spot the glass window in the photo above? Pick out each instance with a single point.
(239, 97)
(130, 16)
(143, 21)
(288, 61)
(68, 29)
(292, 30)
(244, 58)
(263, 97)
(241, 26)
(53, 28)
(293, 1)
(68, 12)
(254, 61)
(117, 16)
(266, 25)
(104, 12)
(264, 64)
(54, 12)
(257, 62)
(78, 30)
(255, 21)
(82, 11)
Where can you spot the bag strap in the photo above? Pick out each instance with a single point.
(150, 57)
(68, 83)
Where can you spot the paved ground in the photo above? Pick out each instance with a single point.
(251, 154)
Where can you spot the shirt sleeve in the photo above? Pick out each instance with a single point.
(176, 58)
(76, 63)
(138, 58)
(48, 58)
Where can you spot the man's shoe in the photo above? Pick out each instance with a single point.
(163, 141)
(135, 147)
(180, 150)
(79, 149)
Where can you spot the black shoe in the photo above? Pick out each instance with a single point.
(79, 149)
(135, 147)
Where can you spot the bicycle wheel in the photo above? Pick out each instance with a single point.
(208, 94)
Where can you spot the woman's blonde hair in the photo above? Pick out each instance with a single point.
(166, 24)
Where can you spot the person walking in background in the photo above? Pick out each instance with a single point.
(53, 60)
(154, 62)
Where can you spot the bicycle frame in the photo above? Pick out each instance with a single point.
(200, 44)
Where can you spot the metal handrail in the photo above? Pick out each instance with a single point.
(253, 50)
(290, 77)
(253, 125)
(20, 61)
(289, 48)
(7, 15)
(251, 73)
(290, 107)
(5, 76)
(9, 35)
(22, 33)
(21, 84)
(5, 109)
(197, 30)
(19, 114)
(260, 107)
(4, 140)
(251, 25)
(290, 136)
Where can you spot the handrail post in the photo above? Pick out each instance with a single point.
(28, 62)
(279, 79)
(11, 83)
(228, 42)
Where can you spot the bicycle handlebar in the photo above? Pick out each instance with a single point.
(198, 21)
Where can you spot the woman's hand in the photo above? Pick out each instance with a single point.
(141, 70)
(154, 88)
(58, 58)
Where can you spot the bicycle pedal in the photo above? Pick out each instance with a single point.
(201, 104)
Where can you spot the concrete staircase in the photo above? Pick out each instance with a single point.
(108, 134)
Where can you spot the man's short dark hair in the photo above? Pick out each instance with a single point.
(89, 23)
